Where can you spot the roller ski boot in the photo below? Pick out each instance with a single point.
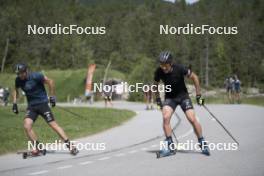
(204, 146)
(167, 151)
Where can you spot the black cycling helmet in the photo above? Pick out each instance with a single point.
(165, 57)
(20, 68)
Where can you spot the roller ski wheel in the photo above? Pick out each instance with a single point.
(31, 154)
(74, 151)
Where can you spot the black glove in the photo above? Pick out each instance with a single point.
(200, 100)
(159, 103)
(52, 100)
(15, 108)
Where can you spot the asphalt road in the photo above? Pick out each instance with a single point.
(130, 148)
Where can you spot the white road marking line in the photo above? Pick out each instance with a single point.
(120, 154)
(180, 147)
(144, 149)
(64, 167)
(86, 162)
(38, 173)
(155, 145)
(104, 158)
(133, 151)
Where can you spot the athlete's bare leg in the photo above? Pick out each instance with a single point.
(28, 123)
(194, 122)
(167, 112)
(54, 125)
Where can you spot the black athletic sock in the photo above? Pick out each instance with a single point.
(37, 142)
(67, 142)
(201, 139)
(169, 139)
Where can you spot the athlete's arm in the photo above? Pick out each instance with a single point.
(15, 95)
(157, 94)
(196, 82)
(50, 84)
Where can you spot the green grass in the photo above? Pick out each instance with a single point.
(259, 101)
(69, 83)
(94, 120)
(254, 101)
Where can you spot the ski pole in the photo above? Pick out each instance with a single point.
(175, 137)
(220, 124)
(73, 113)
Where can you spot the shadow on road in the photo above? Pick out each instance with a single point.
(178, 151)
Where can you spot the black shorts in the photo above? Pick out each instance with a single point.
(41, 109)
(185, 103)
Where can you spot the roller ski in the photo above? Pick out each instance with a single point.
(167, 151)
(204, 146)
(33, 153)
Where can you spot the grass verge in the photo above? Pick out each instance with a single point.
(94, 120)
(259, 101)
